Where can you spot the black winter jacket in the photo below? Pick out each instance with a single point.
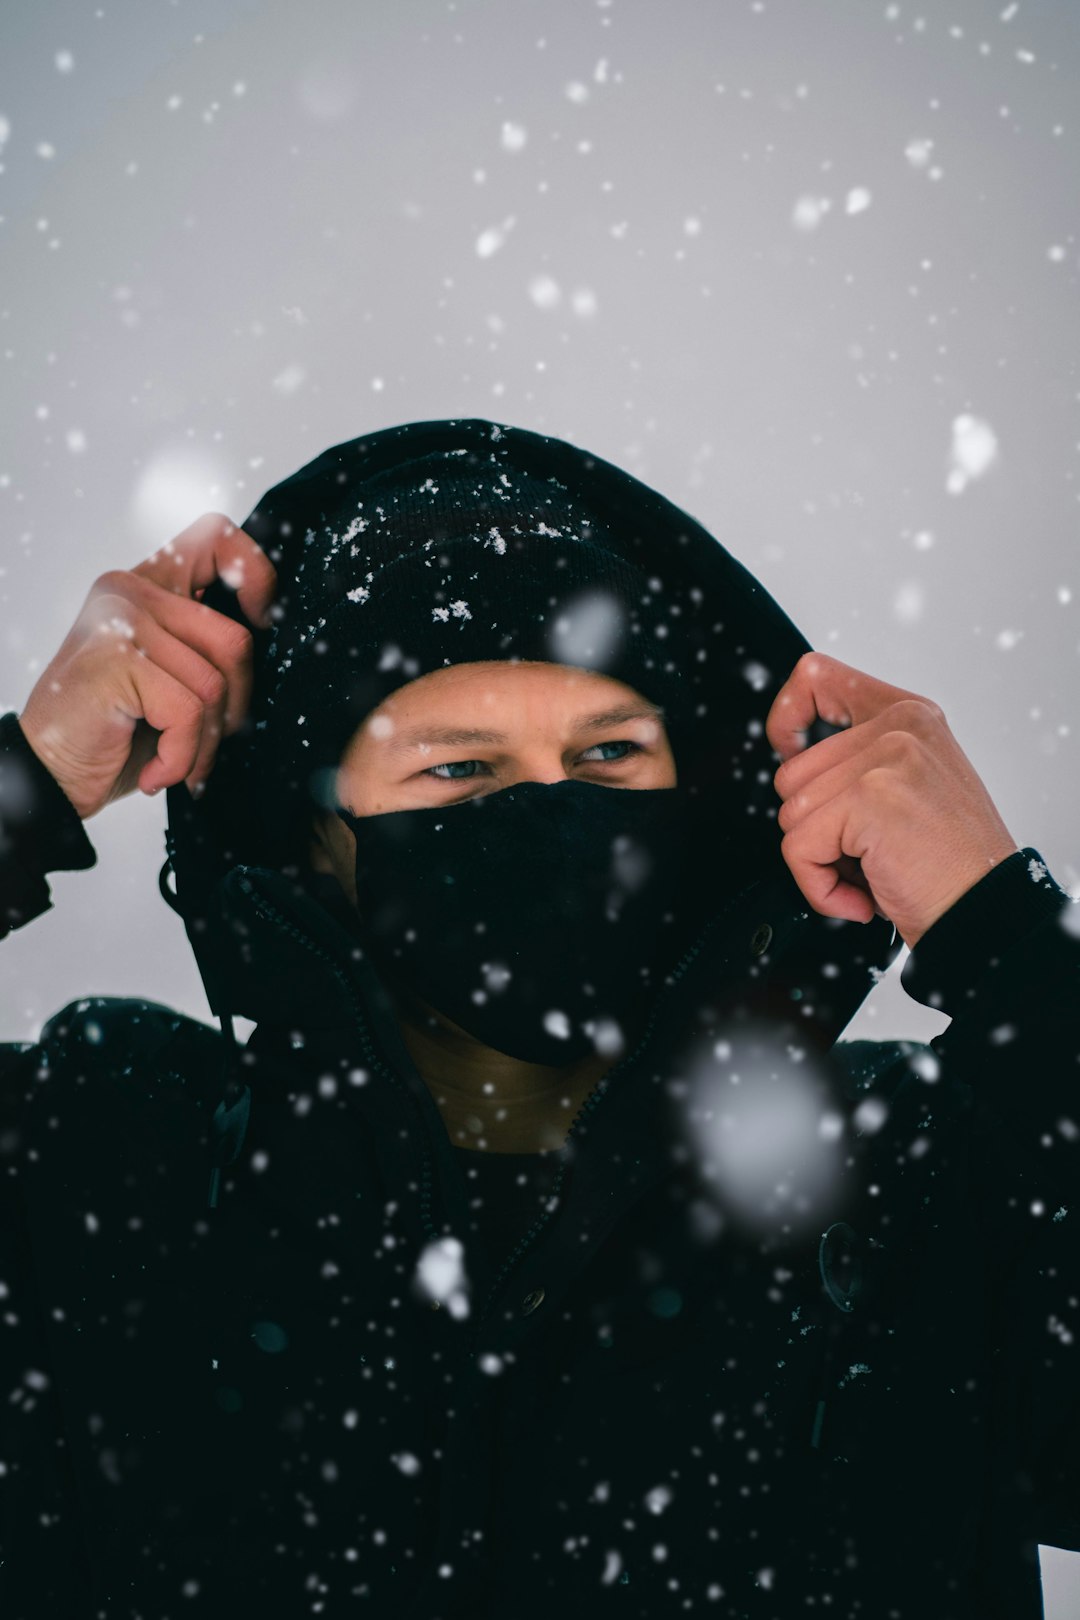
(225, 1392)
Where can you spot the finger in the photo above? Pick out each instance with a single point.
(902, 730)
(201, 677)
(793, 777)
(213, 547)
(221, 641)
(851, 871)
(831, 767)
(812, 851)
(176, 713)
(822, 688)
(809, 694)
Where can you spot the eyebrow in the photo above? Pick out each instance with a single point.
(460, 737)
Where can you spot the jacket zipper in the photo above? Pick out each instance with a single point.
(271, 914)
(587, 1108)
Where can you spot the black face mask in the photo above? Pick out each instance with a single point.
(540, 919)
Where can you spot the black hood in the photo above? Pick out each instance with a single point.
(729, 647)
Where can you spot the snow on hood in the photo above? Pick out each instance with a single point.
(729, 645)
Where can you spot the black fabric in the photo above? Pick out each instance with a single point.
(536, 596)
(296, 1401)
(365, 570)
(935, 975)
(432, 562)
(540, 918)
(505, 1195)
(265, 1380)
(40, 830)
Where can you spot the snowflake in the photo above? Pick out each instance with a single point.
(357, 526)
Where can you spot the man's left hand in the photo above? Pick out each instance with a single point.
(887, 816)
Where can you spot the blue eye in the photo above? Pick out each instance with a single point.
(454, 770)
(461, 770)
(611, 759)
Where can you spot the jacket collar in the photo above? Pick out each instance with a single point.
(296, 963)
(297, 967)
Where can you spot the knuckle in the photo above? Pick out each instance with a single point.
(901, 757)
(918, 714)
(237, 642)
(812, 660)
(113, 615)
(901, 744)
(113, 582)
(213, 687)
(189, 709)
(879, 782)
(100, 604)
(214, 522)
(217, 526)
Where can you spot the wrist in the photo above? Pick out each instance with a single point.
(41, 828)
(988, 861)
(35, 736)
(957, 957)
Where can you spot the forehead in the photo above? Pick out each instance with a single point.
(502, 682)
(490, 701)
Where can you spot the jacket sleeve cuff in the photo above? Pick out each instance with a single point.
(955, 956)
(40, 830)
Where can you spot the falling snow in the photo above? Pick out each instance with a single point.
(662, 1312)
(545, 292)
(974, 450)
(809, 211)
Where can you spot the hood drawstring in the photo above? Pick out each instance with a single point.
(229, 1123)
(840, 1267)
(170, 896)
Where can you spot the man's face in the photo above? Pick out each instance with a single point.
(472, 729)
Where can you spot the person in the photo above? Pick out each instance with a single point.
(544, 1248)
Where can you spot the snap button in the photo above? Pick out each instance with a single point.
(531, 1301)
(760, 939)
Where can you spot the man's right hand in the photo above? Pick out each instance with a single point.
(148, 680)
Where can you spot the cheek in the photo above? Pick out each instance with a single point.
(343, 853)
(365, 790)
(667, 772)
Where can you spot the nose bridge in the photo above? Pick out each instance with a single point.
(539, 758)
(544, 770)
